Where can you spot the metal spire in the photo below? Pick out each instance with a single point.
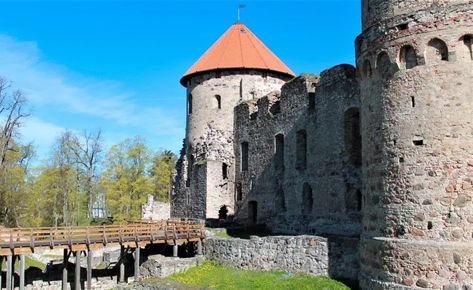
(240, 6)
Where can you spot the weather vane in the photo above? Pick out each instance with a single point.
(240, 6)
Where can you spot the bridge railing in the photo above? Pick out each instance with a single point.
(162, 231)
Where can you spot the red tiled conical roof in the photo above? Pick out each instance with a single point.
(237, 48)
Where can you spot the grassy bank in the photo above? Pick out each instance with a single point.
(224, 278)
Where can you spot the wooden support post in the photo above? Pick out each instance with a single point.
(137, 263)
(174, 250)
(199, 247)
(89, 269)
(121, 275)
(77, 272)
(9, 276)
(64, 269)
(22, 272)
(1, 262)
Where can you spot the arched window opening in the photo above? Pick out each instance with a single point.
(252, 212)
(437, 51)
(224, 171)
(279, 151)
(383, 64)
(275, 108)
(217, 102)
(280, 201)
(190, 165)
(311, 102)
(223, 212)
(408, 57)
(301, 149)
(366, 69)
(353, 136)
(353, 199)
(468, 46)
(239, 192)
(307, 199)
(189, 104)
(244, 156)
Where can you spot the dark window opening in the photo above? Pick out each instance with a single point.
(437, 50)
(280, 201)
(279, 151)
(353, 136)
(301, 149)
(223, 212)
(252, 212)
(413, 101)
(311, 101)
(418, 142)
(353, 199)
(224, 171)
(383, 64)
(403, 26)
(307, 199)
(275, 108)
(189, 104)
(239, 192)
(190, 165)
(244, 156)
(430, 225)
(218, 102)
(468, 42)
(408, 57)
(401, 159)
(366, 70)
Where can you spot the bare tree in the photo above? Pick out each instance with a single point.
(12, 112)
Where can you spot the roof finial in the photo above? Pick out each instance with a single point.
(240, 6)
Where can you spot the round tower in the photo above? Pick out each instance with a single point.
(236, 68)
(416, 69)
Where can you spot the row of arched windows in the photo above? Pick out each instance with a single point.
(408, 56)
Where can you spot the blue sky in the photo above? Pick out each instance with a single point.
(116, 65)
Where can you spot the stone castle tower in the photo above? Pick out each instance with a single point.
(415, 62)
(238, 67)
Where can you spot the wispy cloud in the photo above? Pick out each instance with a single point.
(54, 88)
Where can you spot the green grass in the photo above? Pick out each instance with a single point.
(212, 276)
(222, 234)
(29, 262)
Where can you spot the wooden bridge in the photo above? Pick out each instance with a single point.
(16, 242)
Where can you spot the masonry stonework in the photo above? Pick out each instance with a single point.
(378, 156)
(416, 67)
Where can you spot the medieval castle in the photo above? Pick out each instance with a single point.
(380, 156)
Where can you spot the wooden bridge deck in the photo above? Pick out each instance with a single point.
(15, 241)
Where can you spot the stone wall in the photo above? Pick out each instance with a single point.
(158, 266)
(155, 210)
(332, 257)
(303, 173)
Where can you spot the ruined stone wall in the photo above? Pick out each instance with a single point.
(155, 210)
(315, 186)
(212, 97)
(337, 258)
(417, 140)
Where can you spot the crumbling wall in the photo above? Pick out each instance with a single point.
(316, 188)
(155, 210)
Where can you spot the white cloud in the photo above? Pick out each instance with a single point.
(51, 88)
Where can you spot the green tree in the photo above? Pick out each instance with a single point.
(125, 180)
(163, 165)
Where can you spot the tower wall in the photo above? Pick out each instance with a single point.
(416, 82)
(212, 98)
